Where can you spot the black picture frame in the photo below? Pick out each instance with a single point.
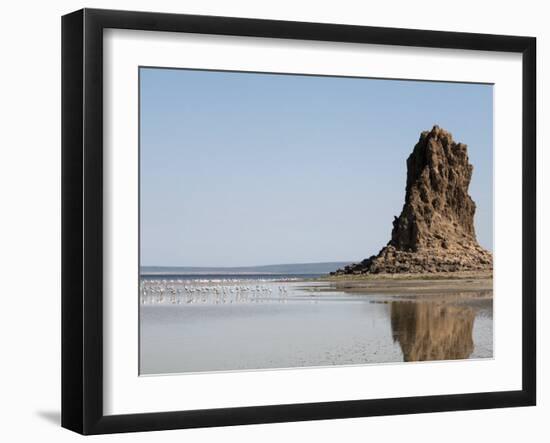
(82, 218)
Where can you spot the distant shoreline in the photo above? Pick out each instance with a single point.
(321, 268)
(184, 274)
(325, 276)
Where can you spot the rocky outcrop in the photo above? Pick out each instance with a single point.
(435, 231)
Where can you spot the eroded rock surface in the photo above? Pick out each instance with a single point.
(435, 231)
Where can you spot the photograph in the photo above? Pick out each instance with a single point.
(275, 222)
(291, 220)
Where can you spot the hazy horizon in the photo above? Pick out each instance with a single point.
(246, 169)
(247, 266)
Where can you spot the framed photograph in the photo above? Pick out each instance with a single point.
(268, 221)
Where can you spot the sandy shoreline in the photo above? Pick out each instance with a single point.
(410, 284)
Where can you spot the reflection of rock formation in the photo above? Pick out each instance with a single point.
(432, 331)
(435, 231)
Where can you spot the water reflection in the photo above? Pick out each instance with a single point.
(432, 330)
(231, 323)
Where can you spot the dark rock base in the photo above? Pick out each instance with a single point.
(392, 261)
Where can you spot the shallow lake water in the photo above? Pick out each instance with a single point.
(226, 324)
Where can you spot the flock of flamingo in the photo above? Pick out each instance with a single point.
(154, 291)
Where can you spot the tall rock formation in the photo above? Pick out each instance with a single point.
(435, 231)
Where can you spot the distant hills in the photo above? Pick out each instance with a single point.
(290, 268)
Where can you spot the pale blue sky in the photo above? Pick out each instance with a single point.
(252, 169)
